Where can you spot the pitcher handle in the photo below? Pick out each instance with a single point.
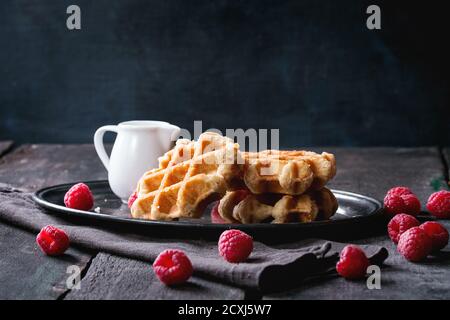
(99, 146)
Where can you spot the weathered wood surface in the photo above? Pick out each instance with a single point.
(372, 171)
(400, 279)
(25, 271)
(368, 170)
(31, 167)
(34, 166)
(111, 277)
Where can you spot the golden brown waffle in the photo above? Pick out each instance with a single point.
(236, 207)
(283, 172)
(183, 145)
(187, 179)
(194, 173)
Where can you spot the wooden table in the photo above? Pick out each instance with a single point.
(25, 273)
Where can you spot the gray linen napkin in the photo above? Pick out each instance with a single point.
(267, 269)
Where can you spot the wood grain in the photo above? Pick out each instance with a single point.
(26, 273)
(111, 277)
(34, 166)
(367, 170)
(400, 279)
(372, 171)
(31, 167)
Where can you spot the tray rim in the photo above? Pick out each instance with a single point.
(62, 210)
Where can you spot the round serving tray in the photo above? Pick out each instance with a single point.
(355, 214)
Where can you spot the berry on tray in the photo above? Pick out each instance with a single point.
(439, 204)
(353, 263)
(401, 200)
(79, 197)
(437, 233)
(132, 199)
(415, 245)
(52, 241)
(215, 215)
(399, 224)
(172, 267)
(235, 246)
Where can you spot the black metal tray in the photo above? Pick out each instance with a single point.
(357, 213)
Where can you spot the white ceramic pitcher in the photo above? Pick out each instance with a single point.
(136, 150)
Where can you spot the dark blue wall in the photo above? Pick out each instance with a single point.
(308, 67)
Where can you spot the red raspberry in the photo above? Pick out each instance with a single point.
(414, 244)
(172, 267)
(399, 224)
(400, 200)
(79, 197)
(52, 241)
(132, 199)
(437, 233)
(235, 245)
(353, 263)
(399, 191)
(439, 204)
(215, 216)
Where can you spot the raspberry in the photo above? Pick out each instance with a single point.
(401, 200)
(412, 203)
(437, 233)
(399, 224)
(172, 267)
(399, 191)
(439, 204)
(79, 197)
(215, 216)
(414, 244)
(353, 263)
(131, 199)
(235, 245)
(52, 241)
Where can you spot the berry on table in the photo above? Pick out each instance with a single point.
(399, 224)
(79, 197)
(353, 263)
(52, 241)
(399, 191)
(414, 244)
(438, 204)
(173, 267)
(437, 233)
(235, 246)
(401, 200)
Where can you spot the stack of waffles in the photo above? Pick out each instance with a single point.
(267, 186)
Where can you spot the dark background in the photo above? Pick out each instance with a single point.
(308, 67)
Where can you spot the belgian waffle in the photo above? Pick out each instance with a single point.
(283, 172)
(244, 207)
(284, 185)
(187, 179)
